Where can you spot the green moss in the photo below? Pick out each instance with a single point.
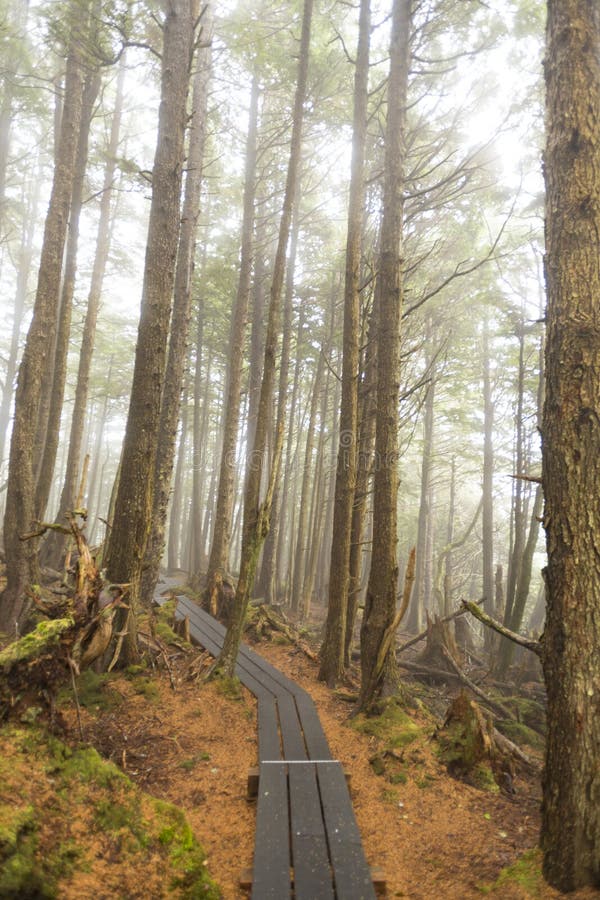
(93, 692)
(147, 688)
(398, 778)
(526, 872)
(392, 725)
(483, 778)
(528, 712)
(377, 763)
(521, 734)
(84, 783)
(13, 822)
(189, 764)
(22, 873)
(44, 636)
(426, 782)
(84, 767)
(126, 816)
(187, 858)
(229, 687)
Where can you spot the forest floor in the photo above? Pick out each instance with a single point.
(192, 743)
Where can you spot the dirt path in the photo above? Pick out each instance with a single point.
(432, 835)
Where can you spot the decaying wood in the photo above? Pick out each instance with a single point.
(533, 645)
(75, 631)
(440, 644)
(468, 741)
(263, 621)
(496, 705)
(423, 634)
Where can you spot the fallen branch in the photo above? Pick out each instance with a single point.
(507, 746)
(533, 645)
(498, 707)
(423, 634)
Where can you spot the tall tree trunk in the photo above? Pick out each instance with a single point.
(571, 446)
(267, 587)
(20, 498)
(56, 541)
(519, 516)
(23, 275)
(487, 512)
(257, 513)
(288, 490)
(133, 505)
(178, 339)
(420, 595)
(50, 430)
(448, 564)
(307, 481)
(380, 603)
(174, 548)
(16, 24)
(366, 447)
(219, 554)
(199, 441)
(332, 650)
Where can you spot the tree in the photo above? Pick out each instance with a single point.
(133, 506)
(219, 554)
(257, 513)
(332, 651)
(571, 446)
(380, 603)
(56, 540)
(180, 319)
(20, 499)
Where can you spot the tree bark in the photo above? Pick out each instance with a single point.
(571, 446)
(221, 542)
(56, 540)
(487, 512)
(20, 498)
(23, 275)
(380, 603)
(180, 320)
(48, 432)
(421, 598)
(133, 505)
(332, 650)
(257, 513)
(302, 537)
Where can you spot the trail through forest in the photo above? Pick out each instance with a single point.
(429, 833)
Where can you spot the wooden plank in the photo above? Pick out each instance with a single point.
(312, 872)
(272, 863)
(352, 876)
(314, 736)
(291, 732)
(268, 730)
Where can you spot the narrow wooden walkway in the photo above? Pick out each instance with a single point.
(307, 843)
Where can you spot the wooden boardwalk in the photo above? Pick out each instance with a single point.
(307, 843)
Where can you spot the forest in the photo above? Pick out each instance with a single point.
(300, 348)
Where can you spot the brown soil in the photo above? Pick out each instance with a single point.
(433, 836)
